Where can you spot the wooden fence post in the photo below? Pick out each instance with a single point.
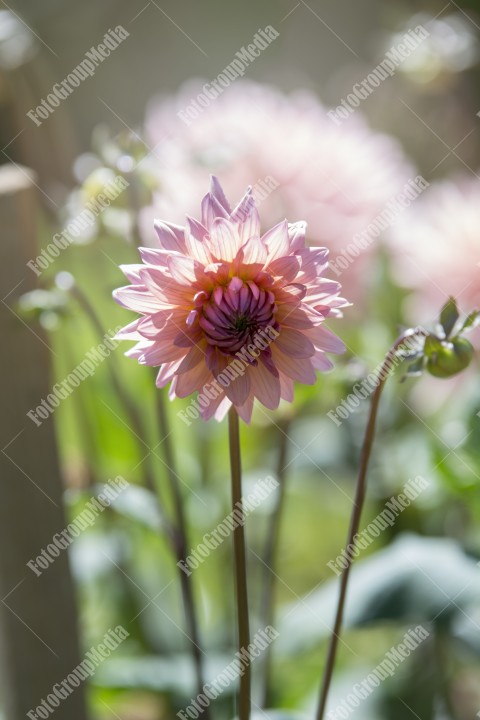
(39, 641)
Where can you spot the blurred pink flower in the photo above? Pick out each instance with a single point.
(436, 248)
(227, 311)
(338, 178)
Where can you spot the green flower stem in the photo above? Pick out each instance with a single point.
(129, 406)
(180, 546)
(269, 560)
(360, 490)
(240, 562)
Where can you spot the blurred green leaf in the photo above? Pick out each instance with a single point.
(472, 319)
(139, 504)
(415, 579)
(449, 316)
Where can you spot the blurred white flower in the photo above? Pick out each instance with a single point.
(337, 178)
(452, 46)
(436, 248)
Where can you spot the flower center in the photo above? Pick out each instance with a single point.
(241, 323)
(233, 315)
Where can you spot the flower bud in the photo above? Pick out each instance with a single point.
(447, 358)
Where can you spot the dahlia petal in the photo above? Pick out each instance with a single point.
(287, 268)
(129, 332)
(187, 336)
(167, 372)
(267, 359)
(162, 352)
(322, 362)
(222, 409)
(131, 272)
(297, 316)
(218, 408)
(265, 387)
(171, 390)
(277, 241)
(235, 284)
(185, 270)
(325, 339)
(253, 251)
(165, 287)
(155, 353)
(286, 388)
(217, 191)
(138, 298)
(293, 294)
(312, 263)
(197, 246)
(192, 359)
(154, 256)
(193, 379)
(212, 209)
(245, 411)
(167, 334)
(246, 214)
(151, 326)
(239, 389)
(296, 234)
(323, 288)
(299, 369)
(223, 240)
(138, 350)
(171, 236)
(294, 343)
(244, 207)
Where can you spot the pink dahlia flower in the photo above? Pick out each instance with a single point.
(436, 248)
(229, 312)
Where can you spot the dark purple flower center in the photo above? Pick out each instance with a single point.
(234, 314)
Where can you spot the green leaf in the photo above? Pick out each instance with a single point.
(138, 504)
(415, 368)
(472, 319)
(166, 673)
(449, 316)
(415, 579)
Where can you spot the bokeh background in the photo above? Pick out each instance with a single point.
(424, 120)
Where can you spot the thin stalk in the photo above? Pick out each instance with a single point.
(129, 406)
(176, 531)
(270, 558)
(240, 562)
(360, 490)
(180, 545)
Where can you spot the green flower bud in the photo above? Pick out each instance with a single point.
(447, 358)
